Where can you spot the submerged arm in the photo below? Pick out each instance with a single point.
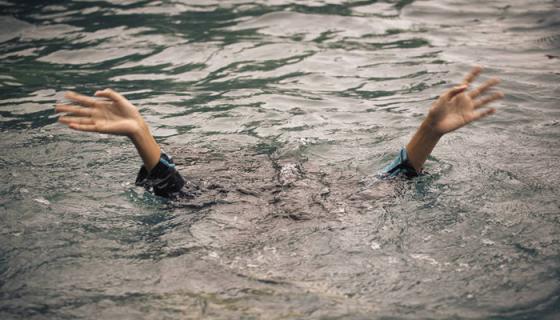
(114, 114)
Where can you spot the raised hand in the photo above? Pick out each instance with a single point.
(457, 107)
(453, 110)
(112, 114)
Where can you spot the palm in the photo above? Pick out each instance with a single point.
(455, 116)
(457, 108)
(115, 118)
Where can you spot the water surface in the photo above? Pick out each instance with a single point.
(282, 111)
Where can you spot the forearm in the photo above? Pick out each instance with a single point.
(421, 145)
(159, 175)
(146, 145)
(452, 110)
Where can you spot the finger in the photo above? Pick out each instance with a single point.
(484, 87)
(74, 110)
(83, 127)
(111, 94)
(482, 113)
(455, 91)
(81, 99)
(487, 100)
(472, 75)
(77, 120)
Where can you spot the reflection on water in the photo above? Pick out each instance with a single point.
(281, 110)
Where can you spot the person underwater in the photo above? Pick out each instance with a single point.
(109, 112)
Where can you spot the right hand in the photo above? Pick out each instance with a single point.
(457, 107)
(113, 115)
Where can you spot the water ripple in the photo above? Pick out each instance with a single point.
(281, 111)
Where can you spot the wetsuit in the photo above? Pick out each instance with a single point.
(164, 180)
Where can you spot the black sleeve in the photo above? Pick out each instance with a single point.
(163, 180)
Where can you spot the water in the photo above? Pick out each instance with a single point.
(281, 110)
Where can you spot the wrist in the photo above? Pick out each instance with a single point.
(429, 128)
(140, 132)
(422, 144)
(146, 145)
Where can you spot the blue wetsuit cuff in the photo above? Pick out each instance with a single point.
(399, 166)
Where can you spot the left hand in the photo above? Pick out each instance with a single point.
(457, 107)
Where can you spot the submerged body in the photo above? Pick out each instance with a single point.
(453, 110)
(279, 111)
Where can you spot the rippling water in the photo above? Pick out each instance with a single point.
(280, 109)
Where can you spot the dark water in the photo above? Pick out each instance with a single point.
(281, 110)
